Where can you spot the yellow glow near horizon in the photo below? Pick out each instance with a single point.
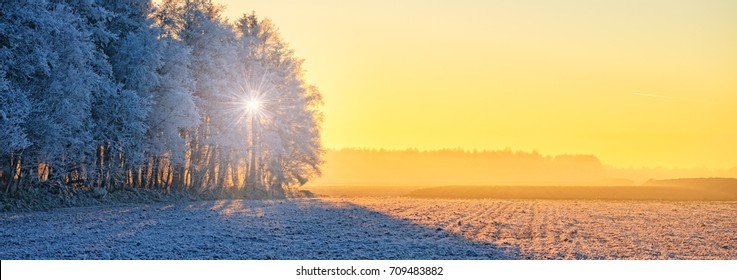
(637, 83)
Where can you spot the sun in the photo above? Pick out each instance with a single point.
(254, 105)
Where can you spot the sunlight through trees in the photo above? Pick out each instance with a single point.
(111, 95)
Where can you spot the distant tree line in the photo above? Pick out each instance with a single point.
(115, 94)
(414, 167)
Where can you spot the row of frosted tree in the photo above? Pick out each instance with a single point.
(124, 94)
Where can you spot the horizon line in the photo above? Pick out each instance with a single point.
(533, 151)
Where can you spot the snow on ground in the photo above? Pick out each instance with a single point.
(229, 229)
(558, 229)
(377, 228)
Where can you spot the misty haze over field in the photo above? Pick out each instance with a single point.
(501, 167)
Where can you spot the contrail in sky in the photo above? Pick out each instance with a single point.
(655, 95)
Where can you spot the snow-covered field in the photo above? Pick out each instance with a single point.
(560, 229)
(229, 229)
(377, 228)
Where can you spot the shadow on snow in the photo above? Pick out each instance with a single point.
(231, 229)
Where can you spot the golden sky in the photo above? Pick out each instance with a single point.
(637, 83)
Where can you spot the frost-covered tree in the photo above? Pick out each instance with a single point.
(287, 126)
(110, 94)
(174, 109)
(199, 25)
(52, 59)
(118, 109)
(141, 64)
(14, 110)
(123, 112)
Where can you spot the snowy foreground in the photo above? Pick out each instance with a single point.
(376, 228)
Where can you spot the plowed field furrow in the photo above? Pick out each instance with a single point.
(559, 229)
